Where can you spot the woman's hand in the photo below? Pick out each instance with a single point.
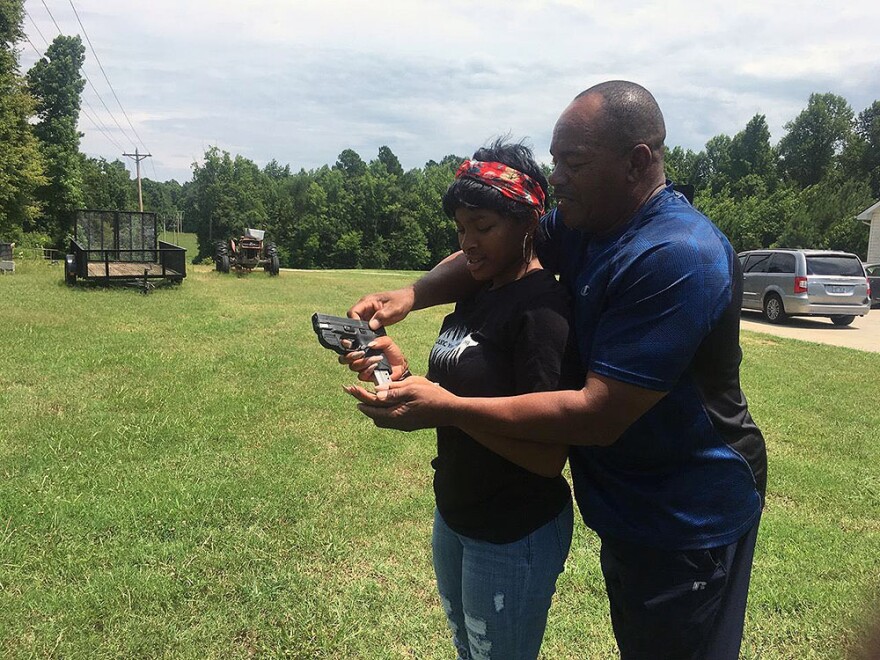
(406, 405)
(365, 366)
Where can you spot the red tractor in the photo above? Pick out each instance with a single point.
(246, 253)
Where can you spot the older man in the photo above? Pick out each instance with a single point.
(668, 467)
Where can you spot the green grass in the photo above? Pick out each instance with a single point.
(181, 476)
(184, 240)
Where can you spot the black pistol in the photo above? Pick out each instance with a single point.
(332, 330)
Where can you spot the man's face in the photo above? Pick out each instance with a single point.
(589, 177)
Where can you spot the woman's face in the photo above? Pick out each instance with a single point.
(493, 245)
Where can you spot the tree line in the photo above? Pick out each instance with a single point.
(802, 192)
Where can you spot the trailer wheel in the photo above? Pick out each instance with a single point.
(70, 269)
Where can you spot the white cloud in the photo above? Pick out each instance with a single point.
(299, 81)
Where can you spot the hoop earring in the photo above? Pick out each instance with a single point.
(530, 254)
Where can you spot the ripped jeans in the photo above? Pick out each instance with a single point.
(496, 596)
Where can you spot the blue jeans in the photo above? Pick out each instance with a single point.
(496, 596)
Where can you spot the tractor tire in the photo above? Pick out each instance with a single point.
(223, 264)
(272, 265)
(221, 252)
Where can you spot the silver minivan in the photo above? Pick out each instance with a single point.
(782, 283)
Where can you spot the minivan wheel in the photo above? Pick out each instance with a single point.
(842, 319)
(773, 309)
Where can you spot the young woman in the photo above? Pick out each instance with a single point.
(503, 522)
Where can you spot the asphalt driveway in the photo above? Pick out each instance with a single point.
(863, 334)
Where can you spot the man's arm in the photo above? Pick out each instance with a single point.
(597, 414)
(447, 282)
(541, 458)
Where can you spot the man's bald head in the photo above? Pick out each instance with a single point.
(630, 115)
(607, 148)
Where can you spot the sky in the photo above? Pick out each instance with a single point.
(300, 81)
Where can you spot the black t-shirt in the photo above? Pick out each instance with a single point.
(512, 340)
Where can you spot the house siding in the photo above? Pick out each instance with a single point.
(874, 238)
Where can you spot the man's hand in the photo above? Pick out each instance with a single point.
(384, 308)
(406, 405)
(365, 366)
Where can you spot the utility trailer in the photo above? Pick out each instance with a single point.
(122, 246)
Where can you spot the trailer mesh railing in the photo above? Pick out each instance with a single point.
(128, 236)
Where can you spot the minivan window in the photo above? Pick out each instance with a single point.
(781, 263)
(846, 266)
(757, 263)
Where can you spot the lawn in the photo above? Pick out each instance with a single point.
(184, 240)
(181, 476)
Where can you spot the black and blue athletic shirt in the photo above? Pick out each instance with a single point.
(512, 340)
(657, 305)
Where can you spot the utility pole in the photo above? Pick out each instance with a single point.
(137, 159)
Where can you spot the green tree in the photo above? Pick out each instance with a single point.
(868, 134)
(21, 167)
(347, 250)
(56, 84)
(407, 246)
(163, 198)
(224, 198)
(815, 138)
(107, 185)
(680, 165)
(752, 156)
(351, 164)
(750, 221)
(711, 167)
(830, 208)
(390, 161)
(313, 233)
(423, 201)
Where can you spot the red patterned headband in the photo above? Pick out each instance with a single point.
(509, 182)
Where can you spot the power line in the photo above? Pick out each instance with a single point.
(96, 123)
(36, 27)
(52, 17)
(89, 80)
(89, 114)
(110, 85)
(101, 66)
(92, 85)
(39, 54)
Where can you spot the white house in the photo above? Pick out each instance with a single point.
(871, 217)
